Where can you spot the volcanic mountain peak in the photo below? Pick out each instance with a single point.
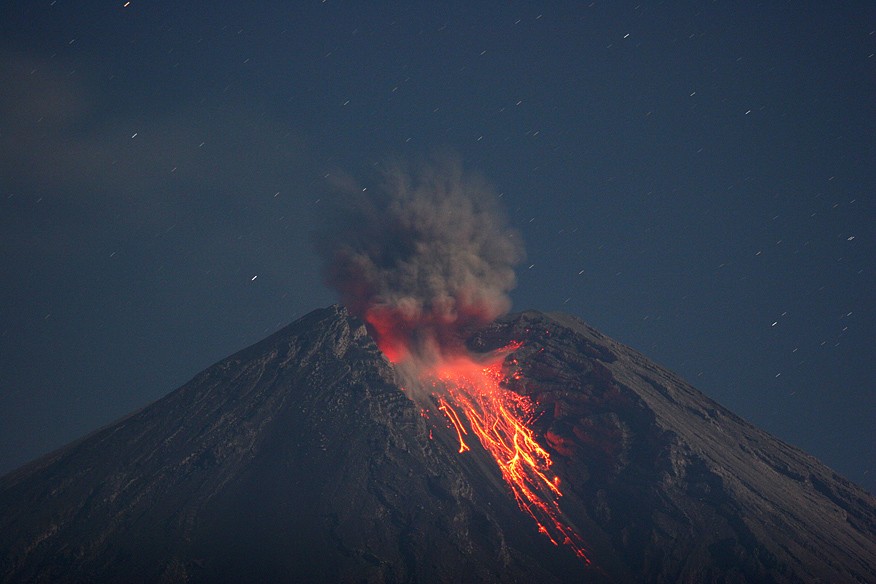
(301, 459)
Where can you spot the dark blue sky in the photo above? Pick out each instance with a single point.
(697, 180)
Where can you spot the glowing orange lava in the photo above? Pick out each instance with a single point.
(471, 397)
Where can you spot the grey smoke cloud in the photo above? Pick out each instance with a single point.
(422, 257)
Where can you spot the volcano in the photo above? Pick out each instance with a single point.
(302, 459)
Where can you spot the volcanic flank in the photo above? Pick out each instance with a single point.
(301, 459)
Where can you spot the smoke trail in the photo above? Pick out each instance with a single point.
(421, 258)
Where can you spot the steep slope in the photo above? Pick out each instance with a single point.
(299, 459)
(687, 490)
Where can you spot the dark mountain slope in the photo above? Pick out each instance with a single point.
(298, 459)
(687, 490)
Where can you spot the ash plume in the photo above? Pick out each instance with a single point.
(421, 258)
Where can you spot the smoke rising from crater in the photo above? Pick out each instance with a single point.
(422, 257)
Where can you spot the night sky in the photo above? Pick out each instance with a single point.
(695, 179)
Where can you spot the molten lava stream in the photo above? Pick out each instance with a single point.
(466, 390)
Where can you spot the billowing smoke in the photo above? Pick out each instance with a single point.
(421, 258)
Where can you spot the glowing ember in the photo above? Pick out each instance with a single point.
(471, 397)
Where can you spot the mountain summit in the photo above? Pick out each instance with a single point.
(301, 459)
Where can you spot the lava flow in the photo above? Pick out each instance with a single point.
(469, 391)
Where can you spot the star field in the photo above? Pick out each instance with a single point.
(696, 180)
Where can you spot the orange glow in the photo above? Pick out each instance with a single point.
(470, 394)
(454, 419)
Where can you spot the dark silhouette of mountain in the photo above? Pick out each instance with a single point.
(300, 460)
